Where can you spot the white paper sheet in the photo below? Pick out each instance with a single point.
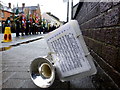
(66, 45)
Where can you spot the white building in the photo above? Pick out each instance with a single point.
(53, 20)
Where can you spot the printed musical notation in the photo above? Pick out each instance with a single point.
(68, 49)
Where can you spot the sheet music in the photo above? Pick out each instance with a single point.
(69, 51)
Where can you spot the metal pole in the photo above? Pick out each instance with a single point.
(71, 9)
(68, 11)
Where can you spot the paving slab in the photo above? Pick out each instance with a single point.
(6, 76)
(13, 83)
(21, 75)
(29, 84)
(17, 69)
(16, 63)
(20, 39)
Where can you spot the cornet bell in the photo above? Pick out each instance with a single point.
(45, 70)
(42, 72)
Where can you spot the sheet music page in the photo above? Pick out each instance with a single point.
(71, 57)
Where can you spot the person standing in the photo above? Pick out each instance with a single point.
(21, 26)
(17, 27)
(7, 22)
(3, 27)
(31, 28)
(27, 27)
(40, 28)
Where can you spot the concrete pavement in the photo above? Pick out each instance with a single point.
(16, 62)
(20, 39)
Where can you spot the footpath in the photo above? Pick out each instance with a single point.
(15, 68)
(19, 40)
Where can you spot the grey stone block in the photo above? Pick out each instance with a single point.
(81, 83)
(18, 69)
(29, 84)
(13, 83)
(7, 75)
(21, 75)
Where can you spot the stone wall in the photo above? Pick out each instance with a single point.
(100, 25)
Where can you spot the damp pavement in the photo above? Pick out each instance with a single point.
(15, 64)
(19, 40)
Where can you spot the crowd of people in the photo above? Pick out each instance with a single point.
(27, 27)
